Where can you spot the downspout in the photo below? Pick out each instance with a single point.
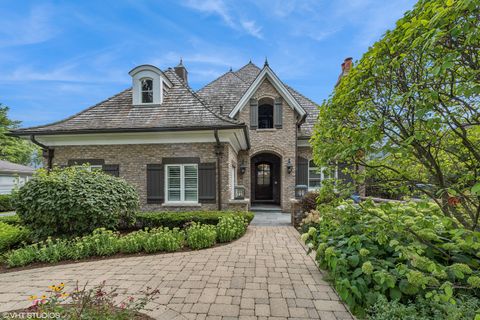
(47, 152)
(218, 153)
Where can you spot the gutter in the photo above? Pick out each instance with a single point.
(47, 152)
(218, 153)
(117, 130)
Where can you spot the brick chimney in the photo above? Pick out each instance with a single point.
(346, 67)
(181, 71)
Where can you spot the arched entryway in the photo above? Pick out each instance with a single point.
(266, 179)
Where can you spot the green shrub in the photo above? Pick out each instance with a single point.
(465, 308)
(13, 220)
(11, 236)
(181, 219)
(164, 239)
(6, 203)
(101, 242)
(397, 251)
(74, 201)
(230, 227)
(201, 236)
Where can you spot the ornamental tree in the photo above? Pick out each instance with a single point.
(409, 111)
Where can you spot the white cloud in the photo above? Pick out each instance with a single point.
(36, 27)
(251, 27)
(230, 17)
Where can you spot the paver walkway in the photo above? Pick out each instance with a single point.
(264, 275)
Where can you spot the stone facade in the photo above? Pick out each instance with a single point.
(281, 142)
(133, 160)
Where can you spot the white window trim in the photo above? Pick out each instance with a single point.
(322, 177)
(182, 183)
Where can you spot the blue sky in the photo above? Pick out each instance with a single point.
(59, 57)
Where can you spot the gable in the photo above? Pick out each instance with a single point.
(267, 74)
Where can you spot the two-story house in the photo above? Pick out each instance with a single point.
(246, 130)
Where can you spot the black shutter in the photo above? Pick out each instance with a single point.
(113, 169)
(253, 114)
(155, 183)
(302, 172)
(207, 186)
(277, 113)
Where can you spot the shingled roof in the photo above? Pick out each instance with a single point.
(182, 108)
(224, 93)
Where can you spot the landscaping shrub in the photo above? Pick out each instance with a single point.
(75, 201)
(101, 242)
(11, 236)
(397, 251)
(422, 309)
(309, 201)
(201, 236)
(180, 219)
(230, 227)
(6, 203)
(13, 220)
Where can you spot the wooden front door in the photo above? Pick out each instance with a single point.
(263, 182)
(265, 173)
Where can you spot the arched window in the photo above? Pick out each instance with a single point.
(265, 113)
(147, 90)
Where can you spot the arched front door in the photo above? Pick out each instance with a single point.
(266, 178)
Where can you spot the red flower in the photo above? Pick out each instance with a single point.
(453, 201)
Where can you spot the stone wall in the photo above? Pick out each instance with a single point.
(133, 160)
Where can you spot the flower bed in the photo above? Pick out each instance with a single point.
(104, 242)
(83, 303)
(409, 253)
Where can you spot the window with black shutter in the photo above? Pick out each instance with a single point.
(112, 169)
(207, 186)
(155, 183)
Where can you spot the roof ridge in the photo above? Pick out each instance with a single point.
(75, 115)
(213, 81)
(219, 116)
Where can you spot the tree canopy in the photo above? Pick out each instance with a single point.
(409, 111)
(13, 149)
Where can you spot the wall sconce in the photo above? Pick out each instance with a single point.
(243, 167)
(289, 166)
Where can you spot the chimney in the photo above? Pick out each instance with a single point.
(346, 67)
(181, 71)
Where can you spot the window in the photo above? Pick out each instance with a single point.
(265, 116)
(182, 183)
(316, 175)
(147, 90)
(263, 174)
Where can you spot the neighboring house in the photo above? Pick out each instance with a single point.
(182, 148)
(13, 175)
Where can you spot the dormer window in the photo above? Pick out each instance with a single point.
(147, 90)
(148, 85)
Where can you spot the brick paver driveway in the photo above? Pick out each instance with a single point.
(264, 275)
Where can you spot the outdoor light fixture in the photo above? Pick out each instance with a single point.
(289, 166)
(243, 167)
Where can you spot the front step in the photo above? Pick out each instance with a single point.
(265, 208)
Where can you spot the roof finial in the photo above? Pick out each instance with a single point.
(230, 69)
(266, 62)
(181, 62)
(250, 61)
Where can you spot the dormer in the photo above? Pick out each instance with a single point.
(148, 85)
